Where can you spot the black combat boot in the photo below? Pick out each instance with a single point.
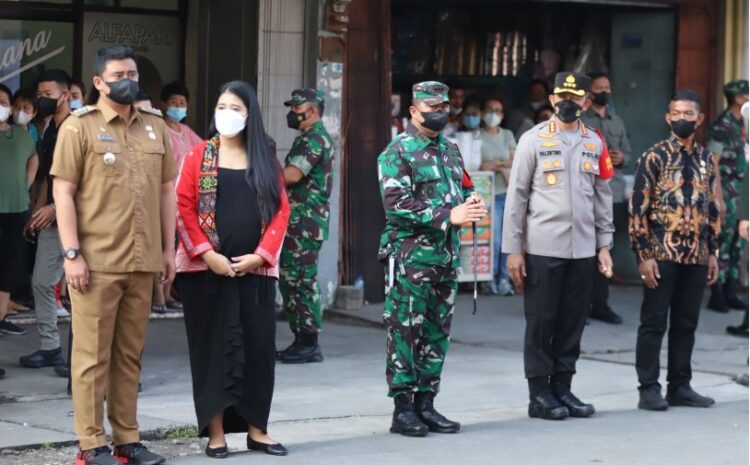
(280, 355)
(731, 297)
(436, 422)
(405, 418)
(542, 403)
(306, 351)
(561, 389)
(717, 302)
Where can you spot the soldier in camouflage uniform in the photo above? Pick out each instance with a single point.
(308, 174)
(426, 196)
(728, 142)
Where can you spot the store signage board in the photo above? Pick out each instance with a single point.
(28, 47)
(484, 185)
(155, 40)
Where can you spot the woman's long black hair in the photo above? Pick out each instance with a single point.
(263, 168)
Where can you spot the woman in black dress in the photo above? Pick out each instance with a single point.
(232, 217)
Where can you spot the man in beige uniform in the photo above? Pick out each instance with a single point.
(113, 186)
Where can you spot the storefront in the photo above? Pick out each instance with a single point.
(35, 36)
(495, 46)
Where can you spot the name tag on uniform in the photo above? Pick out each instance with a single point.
(107, 138)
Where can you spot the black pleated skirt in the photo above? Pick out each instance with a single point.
(231, 331)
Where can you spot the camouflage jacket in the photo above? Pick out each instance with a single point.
(311, 153)
(420, 182)
(727, 138)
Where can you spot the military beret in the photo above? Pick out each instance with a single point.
(430, 92)
(300, 96)
(574, 83)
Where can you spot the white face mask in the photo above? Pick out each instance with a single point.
(22, 118)
(4, 113)
(229, 123)
(492, 120)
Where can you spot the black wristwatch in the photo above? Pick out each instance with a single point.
(72, 254)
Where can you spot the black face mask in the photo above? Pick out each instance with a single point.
(568, 111)
(683, 128)
(46, 106)
(435, 121)
(602, 98)
(294, 120)
(123, 91)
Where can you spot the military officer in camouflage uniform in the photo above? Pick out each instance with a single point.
(309, 177)
(557, 223)
(427, 197)
(728, 142)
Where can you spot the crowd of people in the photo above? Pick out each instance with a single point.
(118, 197)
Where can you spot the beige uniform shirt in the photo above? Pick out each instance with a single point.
(557, 205)
(119, 167)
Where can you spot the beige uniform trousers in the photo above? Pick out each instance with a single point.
(109, 330)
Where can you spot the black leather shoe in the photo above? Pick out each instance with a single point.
(685, 396)
(739, 330)
(576, 408)
(136, 454)
(547, 407)
(651, 399)
(303, 354)
(435, 421)
(217, 452)
(606, 315)
(42, 358)
(717, 302)
(62, 370)
(405, 419)
(270, 449)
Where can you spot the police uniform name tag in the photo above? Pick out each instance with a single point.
(106, 138)
(109, 158)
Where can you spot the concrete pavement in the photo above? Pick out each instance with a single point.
(337, 410)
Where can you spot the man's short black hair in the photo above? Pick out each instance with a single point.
(27, 94)
(110, 53)
(594, 75)
(4, 88)
(56, 75)
(542, 83)
(687, 95)
(174, 88)
(472, 101)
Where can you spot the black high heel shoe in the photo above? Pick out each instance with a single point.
(270, 449)
(217, 452)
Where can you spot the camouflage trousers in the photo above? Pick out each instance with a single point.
(730, 243)
(418, 314)
(298, 284)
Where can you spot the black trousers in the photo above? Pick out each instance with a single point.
(556, 302)
(677, 300)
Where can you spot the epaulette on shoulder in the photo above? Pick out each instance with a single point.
(153, 111)
(83, 111)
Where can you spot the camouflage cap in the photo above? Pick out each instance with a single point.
(430, 92)
(300, 96)
(573, 83)
(737, 87)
